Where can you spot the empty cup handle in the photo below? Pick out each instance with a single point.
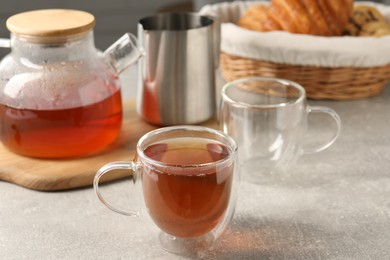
(335, 116)
(133, 167)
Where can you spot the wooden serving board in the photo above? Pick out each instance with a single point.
(50, 175)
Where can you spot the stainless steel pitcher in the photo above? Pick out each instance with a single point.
(176, 81)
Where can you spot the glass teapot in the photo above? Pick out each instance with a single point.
(59, 96)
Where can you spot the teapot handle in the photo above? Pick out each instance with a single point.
(123, 53)
(5, 43)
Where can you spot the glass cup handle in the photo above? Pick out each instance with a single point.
(133, 166)
(335, 116)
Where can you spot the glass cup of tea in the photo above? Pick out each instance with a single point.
(268, 118)
(190, 178)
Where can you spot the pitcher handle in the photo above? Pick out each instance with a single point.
(132, 166)
(336, 118)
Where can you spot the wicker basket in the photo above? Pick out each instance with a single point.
(355, 72)
(345, 83)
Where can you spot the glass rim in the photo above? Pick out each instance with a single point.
(232, 145)
(192, 20)
(286, 82)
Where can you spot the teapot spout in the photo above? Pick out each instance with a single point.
(123, 53)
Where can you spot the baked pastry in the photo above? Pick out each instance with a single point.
(366, 20)
(292, 15)
(257, 19)
(316, 17)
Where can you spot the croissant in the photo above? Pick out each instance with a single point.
(316, 17)
(257, 19)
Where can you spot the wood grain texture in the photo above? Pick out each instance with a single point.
(51, 22)
(50, 175)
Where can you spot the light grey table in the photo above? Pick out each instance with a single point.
(331, 205)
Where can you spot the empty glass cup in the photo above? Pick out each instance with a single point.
(268, 119)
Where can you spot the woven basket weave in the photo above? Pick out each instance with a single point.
(346, 83)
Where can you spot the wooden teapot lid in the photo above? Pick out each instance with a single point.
(50, 23)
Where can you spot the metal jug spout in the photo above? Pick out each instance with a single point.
(123, 53)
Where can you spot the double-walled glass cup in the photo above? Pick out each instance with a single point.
(268, 119)
(190, 178)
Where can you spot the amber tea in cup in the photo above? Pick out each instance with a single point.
(189, 202)
(189, 179)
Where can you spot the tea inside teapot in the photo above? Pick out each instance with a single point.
(60, 118)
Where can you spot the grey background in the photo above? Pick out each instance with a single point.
(332, 205)
(113, 17)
